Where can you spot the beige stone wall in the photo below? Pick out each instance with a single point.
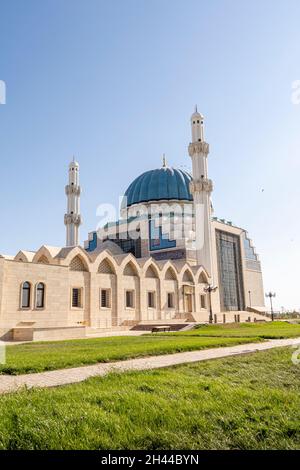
(79, 316)
(254, 283)
(2, 265)
(60, 278)
(169, 286)
(101, 317)
(63, 269)
(55, 278)
(128, 283)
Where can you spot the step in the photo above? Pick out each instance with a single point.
(149, 326)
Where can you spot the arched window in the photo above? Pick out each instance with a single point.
(40, 295)
(26, 294)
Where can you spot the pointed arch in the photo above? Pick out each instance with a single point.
(46, 254)
(151, 272)
(187, 276)
(203, 279)
(130, 269)
(169, 271)
(66, 256)
(43, 260)
(78, 264)
(201, 276)
(24, 256)
(170, 274)
(104, 263)
(106, 267)
(127, 259)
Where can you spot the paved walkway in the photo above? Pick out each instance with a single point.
(68, 376)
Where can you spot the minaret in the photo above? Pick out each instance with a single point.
(201, 188)
(73, 217)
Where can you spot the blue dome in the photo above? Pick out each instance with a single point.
(161, 184)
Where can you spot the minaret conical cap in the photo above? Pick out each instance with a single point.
(196, 114)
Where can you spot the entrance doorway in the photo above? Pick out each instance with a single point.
(188, 303)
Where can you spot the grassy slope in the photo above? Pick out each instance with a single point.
(244, 402)
(37, 357)
(267, 330)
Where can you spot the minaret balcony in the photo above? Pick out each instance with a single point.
(73, 219)
(73, 189)
(198, 148)
(201, 185)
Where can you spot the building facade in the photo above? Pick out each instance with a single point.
(153, 265)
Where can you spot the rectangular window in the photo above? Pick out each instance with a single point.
(40, 295)
(170, 300)
(39, 299)
(129, 298)
(151, 299)
(77, 298)
(203, 301)
(26, 289)
(105, 298)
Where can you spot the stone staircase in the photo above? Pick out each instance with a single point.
(96, 331)
(174, 326)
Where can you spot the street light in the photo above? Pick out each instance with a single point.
(249, 292)
(210, 288)
(271, 295)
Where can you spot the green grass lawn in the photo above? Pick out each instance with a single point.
(43, 356)
(270, 330)
(243, 402)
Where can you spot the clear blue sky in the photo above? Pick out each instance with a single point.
(115, 83)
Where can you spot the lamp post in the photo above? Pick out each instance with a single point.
(210, 288)
(249, 292)
(271, 295)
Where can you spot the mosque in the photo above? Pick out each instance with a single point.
(167, 261)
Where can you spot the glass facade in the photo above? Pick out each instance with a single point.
(249, 250)
(230, 271)
(128, 245)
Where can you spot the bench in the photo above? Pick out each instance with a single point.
(157, 329)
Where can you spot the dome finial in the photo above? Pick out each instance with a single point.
(164, 161)
(73, 162)
(196, 108)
